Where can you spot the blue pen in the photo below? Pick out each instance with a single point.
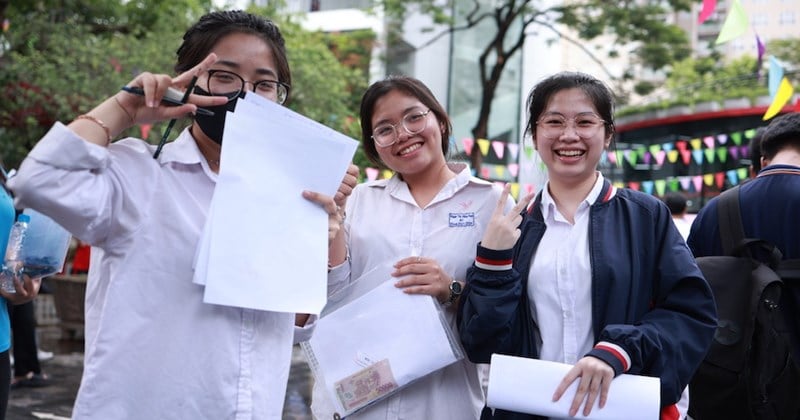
(171, 97)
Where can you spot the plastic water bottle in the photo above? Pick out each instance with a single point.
(13, 262)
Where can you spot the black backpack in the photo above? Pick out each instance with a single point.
(749, 372)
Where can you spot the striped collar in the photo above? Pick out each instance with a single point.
(605, 194)
(779, 169)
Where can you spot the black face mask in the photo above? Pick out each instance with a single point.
(214, 126)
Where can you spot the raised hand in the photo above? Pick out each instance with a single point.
(503, 229)
(346, 188)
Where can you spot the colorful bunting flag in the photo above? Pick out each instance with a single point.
(735, 24)
(499, 148)
(774, 76)
(372, 173)
(722, 154)
(483, 145)
(513, 148)
(468, 142)
(660, 186)
(760, 50)
(785, 92)
(708, 10)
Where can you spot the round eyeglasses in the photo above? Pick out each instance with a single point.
(386, 135)
(585, 125)
(230, 84)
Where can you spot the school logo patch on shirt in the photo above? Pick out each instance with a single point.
(462, 219)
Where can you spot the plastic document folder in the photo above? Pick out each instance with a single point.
(527, 385)
(368, 344)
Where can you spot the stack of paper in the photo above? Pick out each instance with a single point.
(264, 246)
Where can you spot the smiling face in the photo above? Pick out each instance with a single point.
(571, 154)
(411, 154)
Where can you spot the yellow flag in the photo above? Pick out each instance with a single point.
(483, 144)
(515, 190)
(735, 24)
(784, 93)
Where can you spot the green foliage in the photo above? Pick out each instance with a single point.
(786, 50)
(67, 56)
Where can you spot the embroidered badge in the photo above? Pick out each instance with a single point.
(462, 219)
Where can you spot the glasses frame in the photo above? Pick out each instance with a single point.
(403, 123)
(286, 87)
(603, 123)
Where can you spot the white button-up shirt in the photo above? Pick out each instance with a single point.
(385, 224)
(154, 350)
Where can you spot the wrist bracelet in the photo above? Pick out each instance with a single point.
(98, 122)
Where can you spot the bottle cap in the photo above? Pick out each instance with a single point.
(24, 218)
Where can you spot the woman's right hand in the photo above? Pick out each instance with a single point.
(148, 109)
(503, 229)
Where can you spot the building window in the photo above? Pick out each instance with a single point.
(786, 18)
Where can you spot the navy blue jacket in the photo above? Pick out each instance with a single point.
(770, 206)
(648, 296)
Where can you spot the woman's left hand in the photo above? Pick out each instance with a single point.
(423, 276)
(595, 378)
(26, 290)
(335, 212)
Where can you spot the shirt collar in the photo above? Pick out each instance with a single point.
(549, 204)
(183, 150)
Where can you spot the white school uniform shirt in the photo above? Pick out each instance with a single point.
(385, 224)
(560, 285)
(154, 350)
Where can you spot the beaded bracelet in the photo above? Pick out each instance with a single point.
(98, 122)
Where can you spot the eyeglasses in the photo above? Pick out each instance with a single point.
(230, 84)
(585, 125)
(386, 135)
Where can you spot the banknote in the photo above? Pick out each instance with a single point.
(366, 385)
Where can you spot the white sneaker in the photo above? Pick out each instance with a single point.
(44, 355)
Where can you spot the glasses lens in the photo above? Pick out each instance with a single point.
(221, 82)
(271, 90)
(415, 122)
(384, 135)
(584, 125)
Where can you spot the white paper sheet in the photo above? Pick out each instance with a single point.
(527, 385)
(362, 332)
(265, 246)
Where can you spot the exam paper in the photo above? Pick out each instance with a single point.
(264, 246)
(527, 385)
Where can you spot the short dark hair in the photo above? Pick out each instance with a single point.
(783, 132)
(407, 85)
(597, 91)
(203, 35)
(755, 149)
(676, 202)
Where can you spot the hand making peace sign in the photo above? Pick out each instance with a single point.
(503, 230)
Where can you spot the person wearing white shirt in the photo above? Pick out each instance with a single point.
(425, 220)
(154, 350)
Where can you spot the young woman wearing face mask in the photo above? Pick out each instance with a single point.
(154, 350)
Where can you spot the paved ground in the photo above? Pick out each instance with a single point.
(55, 401)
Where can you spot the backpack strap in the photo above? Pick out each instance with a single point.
(731, 232)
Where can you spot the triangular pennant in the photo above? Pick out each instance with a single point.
(619, 184)
(372, 173)
(499, 171)
(707, 11)
(612, 157)
(529, 152)
(468, 142)
(529, 188)
(742, 173)
(696, 143)
(673, 185)
(483, 145)
(654, 148)
(687, 156)
(685, 181)
(709, 141)
(722, 154)
(672, 156)
(785, 92)
(708, 179)
(774, 76)
(660, 155)
(698, 156)
(513, 149)
(647, 157)
(631, 156)
(661, 185)
(499, 148)
(750, 133)
(513, 169)
(722, 138)
(387, 173)
(732, 177)
(633, 185)
(145, 130)
(734, 152)
(667, 146)
(485, 172)
(709, 155)
(697, 181)
(735, 24)
(647, 187)
(681, 145)
(515, 190)
(737, 138)
(719, 177)
(640, 151)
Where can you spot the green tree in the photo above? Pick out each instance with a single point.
(639, 29)
(787, 50)
(705, 79)
(63, 57)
